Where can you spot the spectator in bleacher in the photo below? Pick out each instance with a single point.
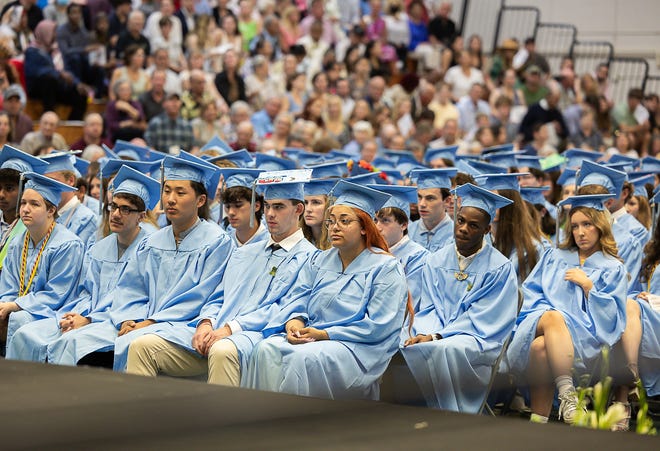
(169, 132)
(501, 117)
(503, 61)
(187, 15)
(124, 116)
(602, 77)
(20, 124)
(238, 112)
(450, 55)
(229, 82)
(132, 71)
(74, 42)
(152, 100)
(508, 89)
(92, 133)
(244, 137)
(290, 30)
(475, 49)
(153, 31)
(165, 41)
(570, 90)
(469, 106)
(630, 115)
(207, 125)
(17, 28)
(652, 105)
(249, 22)
(271, 33)
(533, 88)
(333, 120)
(222, 10)
(315, 48)
(624, 144)
(527, 57)
(417, 25)
(545, 111)
(119, 20)
(587, 137)
(197, 95)
(441, 27)
(45, 82)
(33, 12)
(132, 35)
(5, 129)
(539, 145)
(463, 77)
(45, 135)
(263, 120)
(162, 61)
(317, 13)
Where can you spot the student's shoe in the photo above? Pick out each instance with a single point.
(623, 424)
(568, 406)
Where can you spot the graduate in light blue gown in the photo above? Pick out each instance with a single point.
(42, 266)
(339, 326)
(392, 222)
(434, 228)
(467, 310)
(104, 264)
(575, 299)
(72, 214)
(177, 269)
(513, 227)
(258, 275)
(598, 179)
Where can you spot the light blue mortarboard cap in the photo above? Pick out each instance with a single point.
(336, 153)
(240, 158)
(534, 194)
(130, 181)
(81, 167)
(433, 178)
(596, 174)
(319, 187)
(217, 143)
(309, 158)
(357, 196)
(239, 176)
(619, 158)
(12, 158)
(640, 184)
(287, 190)
(448, 152)
(329, 169)
(180, 169)
(59, 161)
(595, 201)
(650, 164)
(48, 188)
(575, 157)
(486, 168)
(528, 161)
(498, 148)
(494, 182)
(384, 163)
(112, 166)
(474, 196)
(402, 196)
(267, 162)
(365, 179)
(504, 159)
(567, 177)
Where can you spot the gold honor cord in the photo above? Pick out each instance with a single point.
(23, 289)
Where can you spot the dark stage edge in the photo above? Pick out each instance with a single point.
(52, 407)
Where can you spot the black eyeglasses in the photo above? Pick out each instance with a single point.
(123, 209)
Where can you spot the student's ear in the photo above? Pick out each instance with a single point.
(300, 208)
(201, 200)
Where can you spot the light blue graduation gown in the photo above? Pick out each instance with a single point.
(54, 284)
(594, 322)
(362, 310)
(96, 290)
(412, 256)
(82, 221)
(249, 294)
(630, 250)
(93, 204)
(649, 350)
(261, 235)
(541, 246)
(473, 316)
(636, 229)
(169, 285)
(435, 239)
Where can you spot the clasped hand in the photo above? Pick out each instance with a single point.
(578, 277)
(205, 336)
(297, 333)
(130, 325)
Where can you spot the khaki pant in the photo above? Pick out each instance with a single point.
(150, 355)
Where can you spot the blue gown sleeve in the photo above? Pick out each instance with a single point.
(384, 310)
(606, 304)
(131, 296)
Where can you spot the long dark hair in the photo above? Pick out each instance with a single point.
(651, 255)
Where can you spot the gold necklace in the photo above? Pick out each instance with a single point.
(23, 289)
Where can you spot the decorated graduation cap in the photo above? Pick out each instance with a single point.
(499, 148)
(12, 158)
(319, 187)
(240, 158)
(575, 157)
(619, 158)
(433, 178)
(357, 196)
(330, 169)
(267, 162)
(474, 196)
(595, 201)
(534, 194)
(130, 181)
(48, 188)
(283, 184)
(494, 182)
(528, 161)
(448, 153)
(59, 161)
(179, 169)
(504, 159)
(567, 177)
(597, 174)
(217, 143)
(640, 184)
(402, 196)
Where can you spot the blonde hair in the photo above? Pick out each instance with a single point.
(602, 221)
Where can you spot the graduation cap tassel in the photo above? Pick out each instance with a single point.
(654, 215)
(557, 229)
(21, 182)
(162, 181)
(252, 202)
(220, 203)
(101, 194)
(455, 206)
